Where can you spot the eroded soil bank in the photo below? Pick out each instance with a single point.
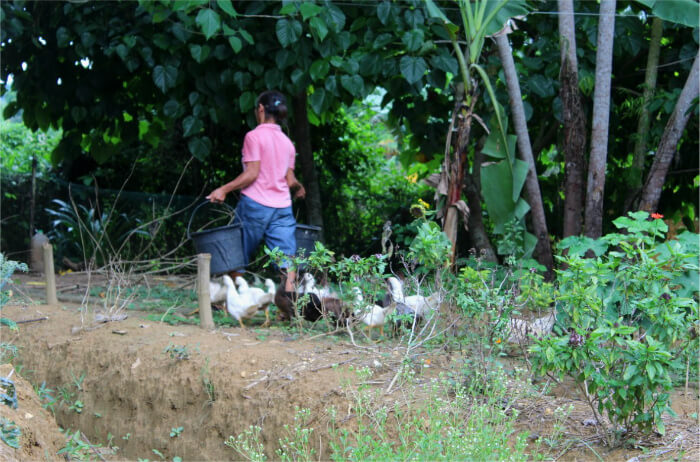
(136, 380)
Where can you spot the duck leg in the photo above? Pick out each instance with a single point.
(267, 316)
(240, 321)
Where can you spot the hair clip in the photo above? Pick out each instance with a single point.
(277, 102)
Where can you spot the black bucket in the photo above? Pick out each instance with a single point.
(307, 236)
(224, 244)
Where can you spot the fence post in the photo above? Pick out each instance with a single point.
(206, 321)
(49, 275)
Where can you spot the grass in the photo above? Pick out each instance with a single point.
(446, 420)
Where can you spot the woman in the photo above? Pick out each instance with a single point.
(265, 207)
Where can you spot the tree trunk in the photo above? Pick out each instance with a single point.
(477, 232)
(302, 135)
(651, 192)
(593, 223)
(532, 185)
(574, 146)
(640, 143)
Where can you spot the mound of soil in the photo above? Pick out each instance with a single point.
(130, 385)
(40, 438)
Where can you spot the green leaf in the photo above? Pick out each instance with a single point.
(413, 39)
(191, 126)
(318, 27)
(62, 37)
(164, 77)
(227, 7)
(316, 100)
(288, 31)
(246, 101)
(199, 53)
(246, 36)
(318, 69)
(651, 371)
(289, 8)
(208, 21)
(236, 44)
(445, 63)
(383, 12)
(309, 10)
(412, 68)
(520, 169)
(273, 78)
(171, 108)
(200, 147)
(334, 17)
(685, 12)
(353, 84)
(631, 370)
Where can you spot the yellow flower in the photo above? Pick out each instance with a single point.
(424, 204)
(412, 178)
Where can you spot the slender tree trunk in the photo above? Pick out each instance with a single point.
(574, 146)
(640, 143)
(532, 185)
(593, 223)
(302, 135)
(32, 200)
(477, 232)
(651, 192)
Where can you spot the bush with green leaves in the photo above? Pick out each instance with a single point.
(627, 321)
(7, 268)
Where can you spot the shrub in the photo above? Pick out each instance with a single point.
(629, 315)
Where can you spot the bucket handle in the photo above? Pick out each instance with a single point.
(197, 208)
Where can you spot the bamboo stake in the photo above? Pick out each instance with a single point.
(206, 321)
(49, 274)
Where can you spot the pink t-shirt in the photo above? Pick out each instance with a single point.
(275, 152)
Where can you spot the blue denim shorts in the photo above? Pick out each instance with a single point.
(276, 226)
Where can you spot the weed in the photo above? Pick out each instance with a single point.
(66, 395)
(46, 397)
(9, 432)
(208, 384)
(248, 444)
(76, 448)
(158, 453)
(77, 406)
(126, 437)
(175, 431)
(177, 352)
(78, 381)
(296, 445)
(8, 352)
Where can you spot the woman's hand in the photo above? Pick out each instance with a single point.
(300, 192)
(217, 195)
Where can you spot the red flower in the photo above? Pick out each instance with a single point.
(656, 216)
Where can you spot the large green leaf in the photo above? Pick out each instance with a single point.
(685, 12)
(191, 126)
(199, 52)
(413, 39)
(246, 101)
(412, 68)
(227, 7)
(288, 31)
(200, 147)
(383, 11)
(236, 44)
(309, 10)
(171, 108)
(317, 99)
(319, 28)
(208, 21)
(318, 69)
(520, 170)
(164, 77)
(497, 188)
(353, 84)
(504, 10)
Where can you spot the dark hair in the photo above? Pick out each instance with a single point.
(275, 105)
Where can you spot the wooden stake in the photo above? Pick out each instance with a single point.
(206, 321)
(49, 274)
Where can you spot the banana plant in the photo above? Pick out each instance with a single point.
(481, 19)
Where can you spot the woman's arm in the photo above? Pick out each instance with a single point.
(245, 179)
(293, 183)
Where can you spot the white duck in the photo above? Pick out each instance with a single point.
(371, 315)
(242, 305)
(308, 285)
(260, 296)
(217, 292)
(420, 304)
